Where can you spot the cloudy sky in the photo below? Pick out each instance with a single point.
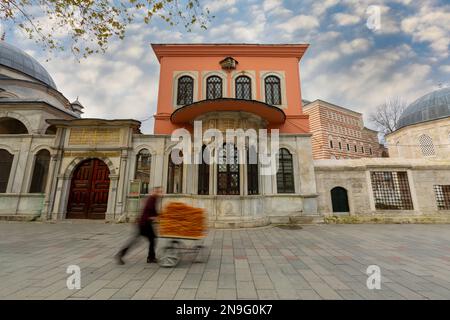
(347, 63)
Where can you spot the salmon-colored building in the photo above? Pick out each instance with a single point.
(260, 79)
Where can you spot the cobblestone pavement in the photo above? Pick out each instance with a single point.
(316, 262)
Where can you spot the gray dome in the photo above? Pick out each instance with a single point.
(431, 106)
(17, 59)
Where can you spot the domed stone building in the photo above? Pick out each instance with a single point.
(424, 128)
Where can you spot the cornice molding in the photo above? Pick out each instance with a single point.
(233, 50)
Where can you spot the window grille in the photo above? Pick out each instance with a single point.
(391, 190)
(442, 193)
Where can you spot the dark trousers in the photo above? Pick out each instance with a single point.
(145, 231)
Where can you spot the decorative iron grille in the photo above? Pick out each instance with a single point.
(273, 90)
(442, 193)
(243, 88)
(228, 171)
(426, 145)
(185, 93)
(391, 190)
(213, 87)
(285, 174)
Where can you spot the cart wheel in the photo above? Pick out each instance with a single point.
(170, 255)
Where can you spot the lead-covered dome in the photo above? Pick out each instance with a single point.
(434, 105)
(18, 60)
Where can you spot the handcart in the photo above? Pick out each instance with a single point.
(182, 229)
(171, 252)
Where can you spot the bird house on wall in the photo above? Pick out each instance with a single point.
(228, 63)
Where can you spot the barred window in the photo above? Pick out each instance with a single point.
(213, 87)
(285, 174)
(252, 171)
(243, 88)
(6, 160)
(203, 173)
(442, 193)
(175, 174)
(142, 172)
(40, 172)
(391, 190)
(273, 90)
(426, 145)
(185, 94)
(228, 171)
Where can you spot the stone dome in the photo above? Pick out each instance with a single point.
(434, 105)
(18, 60)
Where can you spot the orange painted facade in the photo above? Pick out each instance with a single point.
(254, 60)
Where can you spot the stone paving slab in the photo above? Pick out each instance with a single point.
(315, 262)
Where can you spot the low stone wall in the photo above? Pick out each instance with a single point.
(242, 211)
(354, 177)
(20, 206)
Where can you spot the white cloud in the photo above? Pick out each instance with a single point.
(320, 7)
(354, 46)
(299, 22)
(215, 6)
(430, 25)
(445, 68)
(344, 19)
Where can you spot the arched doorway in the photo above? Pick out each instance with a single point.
(88, 198)
(339, 200)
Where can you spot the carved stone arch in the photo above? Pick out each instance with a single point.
(19, 117)
(40, 147)
(141, 147)
(8, 148)
(75, 162)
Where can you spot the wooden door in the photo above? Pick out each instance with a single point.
(88, 198)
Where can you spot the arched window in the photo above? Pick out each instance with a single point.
(185, 94)
(143, 166)
(426, 145)
(273, 90)
(12, 126)
(213, 87)
(40, 172)
(175, 174)
(243, 86)
(228, 170)
(6, 160)
(51, 129)
(203, 173)
(252, 171)
(285, 174)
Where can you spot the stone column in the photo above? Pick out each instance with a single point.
(121, 186)
(307, 183)
(51, 178)
(112, 196)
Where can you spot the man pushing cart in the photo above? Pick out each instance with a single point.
(178, 224)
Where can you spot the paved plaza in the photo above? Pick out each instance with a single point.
(315, 262)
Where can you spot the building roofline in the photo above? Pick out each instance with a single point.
(228, 49)
(415, 124)
(313, 103)
(34, 102)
